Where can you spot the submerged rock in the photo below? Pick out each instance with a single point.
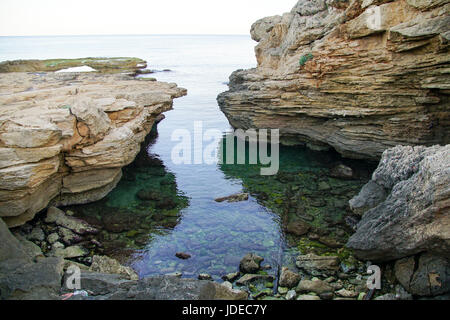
(183, 255)
(298, 228)
(251, 263)
(57, 216)
(234, 198)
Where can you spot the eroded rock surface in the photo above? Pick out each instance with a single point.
(415, 216)
(359, 76)
(64, 138)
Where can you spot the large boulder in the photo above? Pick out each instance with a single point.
(415, 216)
(428, 276)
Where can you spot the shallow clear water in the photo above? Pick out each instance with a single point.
(217, 235)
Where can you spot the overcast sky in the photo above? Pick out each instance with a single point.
(81, 17)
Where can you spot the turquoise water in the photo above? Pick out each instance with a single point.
(160, 208)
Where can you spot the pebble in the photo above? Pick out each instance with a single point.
(290, 295)
(204, 276)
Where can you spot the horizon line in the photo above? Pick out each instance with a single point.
(126, 34)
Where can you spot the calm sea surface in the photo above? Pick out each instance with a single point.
(217, 235)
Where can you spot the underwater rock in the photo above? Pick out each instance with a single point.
(248, 278)
(149, 195)
(183, 255)
(57, 216)
(341, 171)
(234, 198)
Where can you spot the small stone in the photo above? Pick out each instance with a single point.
(57, 245)
(341, 171)
(204, 276)
(103, 264)
(234, 198)
(288, 278)
(52, 238)
(253, 277)
(290, 295)
(182, 255)
(283, 290)
(231, 276)
(175, 274)
(37, 234)
(312, 262)
(250, 263)
(308, 297)
(317, 286)
(326, 296)
(347, 293)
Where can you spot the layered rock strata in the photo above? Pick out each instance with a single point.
(357, 76)
(64, 138)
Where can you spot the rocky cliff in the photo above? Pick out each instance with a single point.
(64, 138)
(357, 76)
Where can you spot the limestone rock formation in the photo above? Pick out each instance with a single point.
(64, 138)
(359, 76)
(415, 215)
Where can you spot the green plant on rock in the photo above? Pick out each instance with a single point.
(305, 58)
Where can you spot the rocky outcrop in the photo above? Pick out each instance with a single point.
(410, 222)
(415, 216)
(357, 76)
(64, 138)
(102, 65)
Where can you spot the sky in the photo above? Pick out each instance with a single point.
(96, 17)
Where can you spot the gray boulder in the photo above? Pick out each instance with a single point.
(414, 217)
